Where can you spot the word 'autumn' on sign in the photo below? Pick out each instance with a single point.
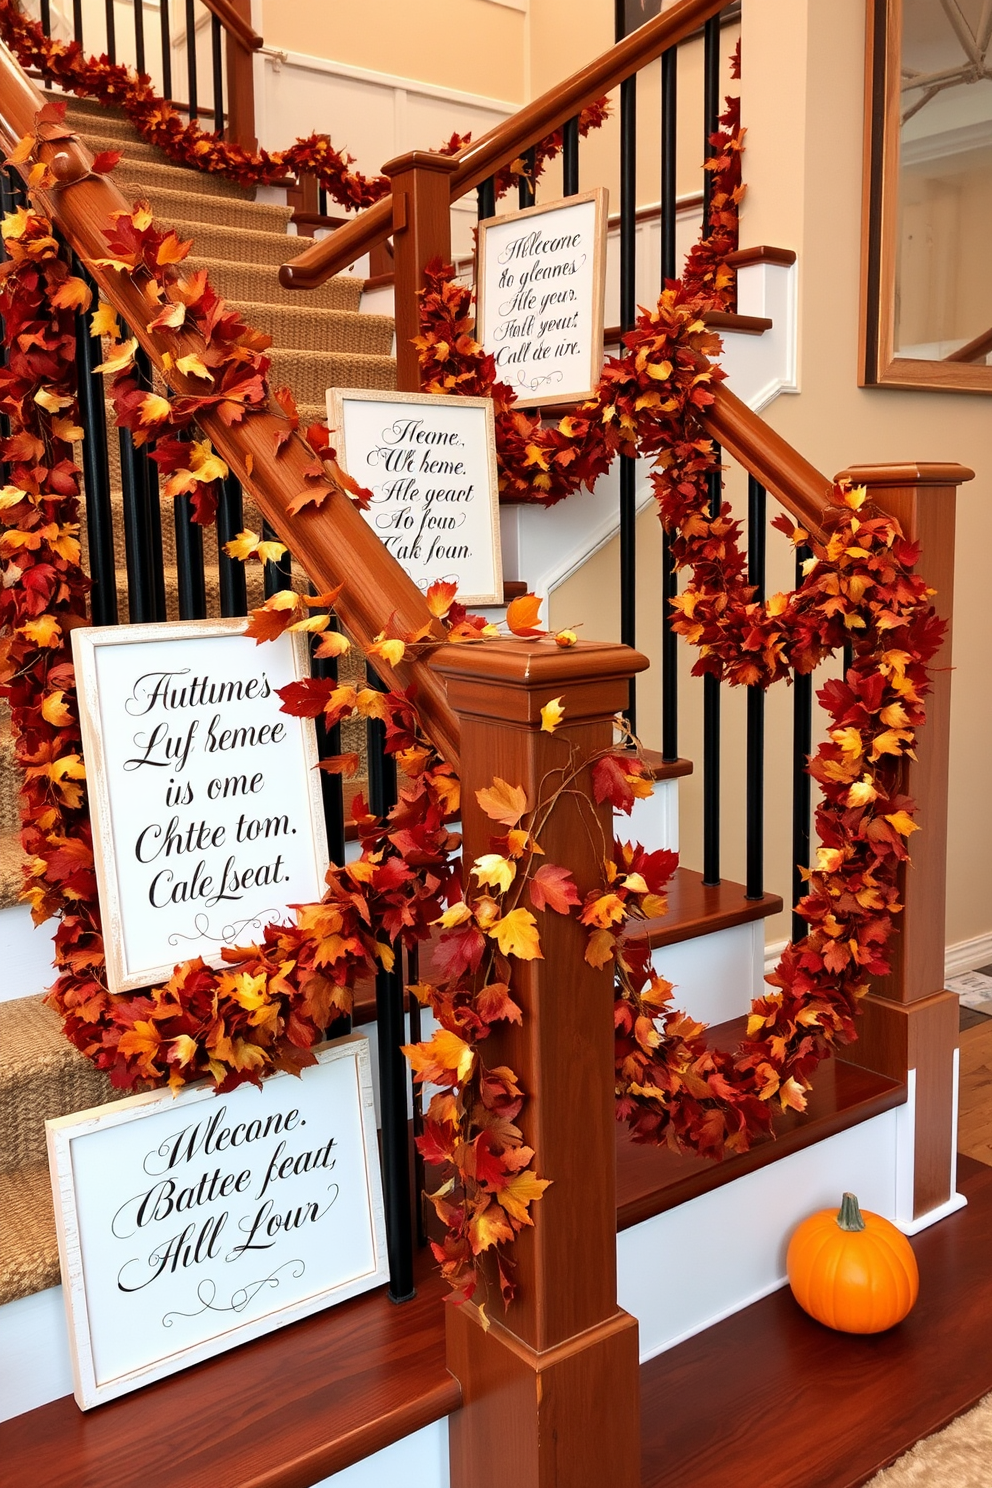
(430, 465)
(203, 789)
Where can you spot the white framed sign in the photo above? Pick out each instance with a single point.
(430, 463)
(540, 296)
(190, 1224)
(205, 799)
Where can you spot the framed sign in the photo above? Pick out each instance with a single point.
(190, 1224)
(540, 288)
(430, 463)
(205, 799)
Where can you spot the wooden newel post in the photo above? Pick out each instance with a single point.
(240, 85)
(551, 1390)
(910, 1023)
(421, 231)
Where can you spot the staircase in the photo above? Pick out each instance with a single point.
(323, 343)
(696, 1241)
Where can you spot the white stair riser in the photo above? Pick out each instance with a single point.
(715, 976)
(654, 819)
(27, 954)
(726, 1249)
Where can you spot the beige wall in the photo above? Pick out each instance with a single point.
(476, 46)
(803, 107)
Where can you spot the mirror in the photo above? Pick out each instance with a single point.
(928, 205)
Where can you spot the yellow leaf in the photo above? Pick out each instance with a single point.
(551, 715)
(185, 1047)
(154, 409)
(271, 552)
(242, 547)
(502, 802)
(391, 651)
(64, 428)
(73, 294)
(51, 402)
(861, 793)
(386, 954)
(44, 631)
(191, 366)
(565, 639)
(118, 357)
(171, 250)
(21, 152)
(516, 935)
(204, 463)
(903, 823)
(493, 869)
(141, 217)
(520, 1191)
(333, 643)
(600, 948)
(455, 914)
(54, 710)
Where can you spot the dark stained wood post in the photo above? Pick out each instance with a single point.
(551, 1390)
(910, 1021)
(240, 84)
(420, 183)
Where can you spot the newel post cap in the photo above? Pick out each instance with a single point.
(909, 473)
(426, 160)
(510, 681)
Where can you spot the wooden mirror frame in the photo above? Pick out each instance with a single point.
(878, 365)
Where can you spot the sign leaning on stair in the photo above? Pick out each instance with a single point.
(205, 798)
(541, 286)
(190, 1224)
(430, 464)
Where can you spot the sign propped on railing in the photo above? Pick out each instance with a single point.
(430, 463)
(540, 297)
(190, 1224)
(205, 798)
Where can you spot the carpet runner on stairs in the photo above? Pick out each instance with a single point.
(320, 339)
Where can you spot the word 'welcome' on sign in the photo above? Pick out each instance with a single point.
(204, 796)
(541, 286)
(189, 1224)
(430, 463)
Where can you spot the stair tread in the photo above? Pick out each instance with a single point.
(239, 243)
(696, 908)
(28, 1246)
(652, 1179)
(169, 201)
(324, 1393)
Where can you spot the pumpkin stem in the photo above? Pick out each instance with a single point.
(849, 1217)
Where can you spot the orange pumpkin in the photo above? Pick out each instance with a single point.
(851, 1271)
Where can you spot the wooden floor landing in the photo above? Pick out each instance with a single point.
(770, 1399)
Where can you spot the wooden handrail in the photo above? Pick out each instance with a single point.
(334, 544)
(235, 25)
(783, 471)
(974, 350)
(506, 141)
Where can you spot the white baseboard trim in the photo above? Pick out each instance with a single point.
(965, 955)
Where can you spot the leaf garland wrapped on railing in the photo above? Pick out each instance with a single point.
(159, 123)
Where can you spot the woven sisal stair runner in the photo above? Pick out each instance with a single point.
(319, 340)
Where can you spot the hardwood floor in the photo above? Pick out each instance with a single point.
(770, 1399)
(975, 1121)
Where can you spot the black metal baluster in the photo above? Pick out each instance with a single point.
(711, 105)
(77, 20)
(332, 786)
(802, 785)
(570, 157)
(848, 659)
(669, 269)
(416, 1033)
(166, 34)
(191, 58)
(142, 520)
(755, 789)
(276, 575)
(711, 734)
(191, 579)
(322, 200)
(46, 17)
(230, 521)
(218, 70)
(139, 35)
(486, 196)
(526, 184)
(393, 1077)
(96, 470)
(111, 31)
(669, 160)
(628, 314)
